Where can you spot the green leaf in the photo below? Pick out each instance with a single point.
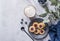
(54, 2)
(55, 14)
(46, 8)
(43, 15)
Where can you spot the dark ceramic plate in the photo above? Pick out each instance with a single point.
(37, 37)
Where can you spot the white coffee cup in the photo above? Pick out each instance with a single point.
(30, 11)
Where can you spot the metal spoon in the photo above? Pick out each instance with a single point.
(23, 29)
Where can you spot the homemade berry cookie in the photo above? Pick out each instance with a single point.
(32, 29)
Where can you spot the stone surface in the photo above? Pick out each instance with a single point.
(11, 12)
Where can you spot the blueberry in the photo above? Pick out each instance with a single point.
(22, 20)
(25, 22)
(42, 1)
(22, 28)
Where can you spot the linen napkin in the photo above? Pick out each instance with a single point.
(54, 32)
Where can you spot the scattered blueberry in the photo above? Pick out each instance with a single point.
(21, 22)
(22, 28)
(25, 22)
